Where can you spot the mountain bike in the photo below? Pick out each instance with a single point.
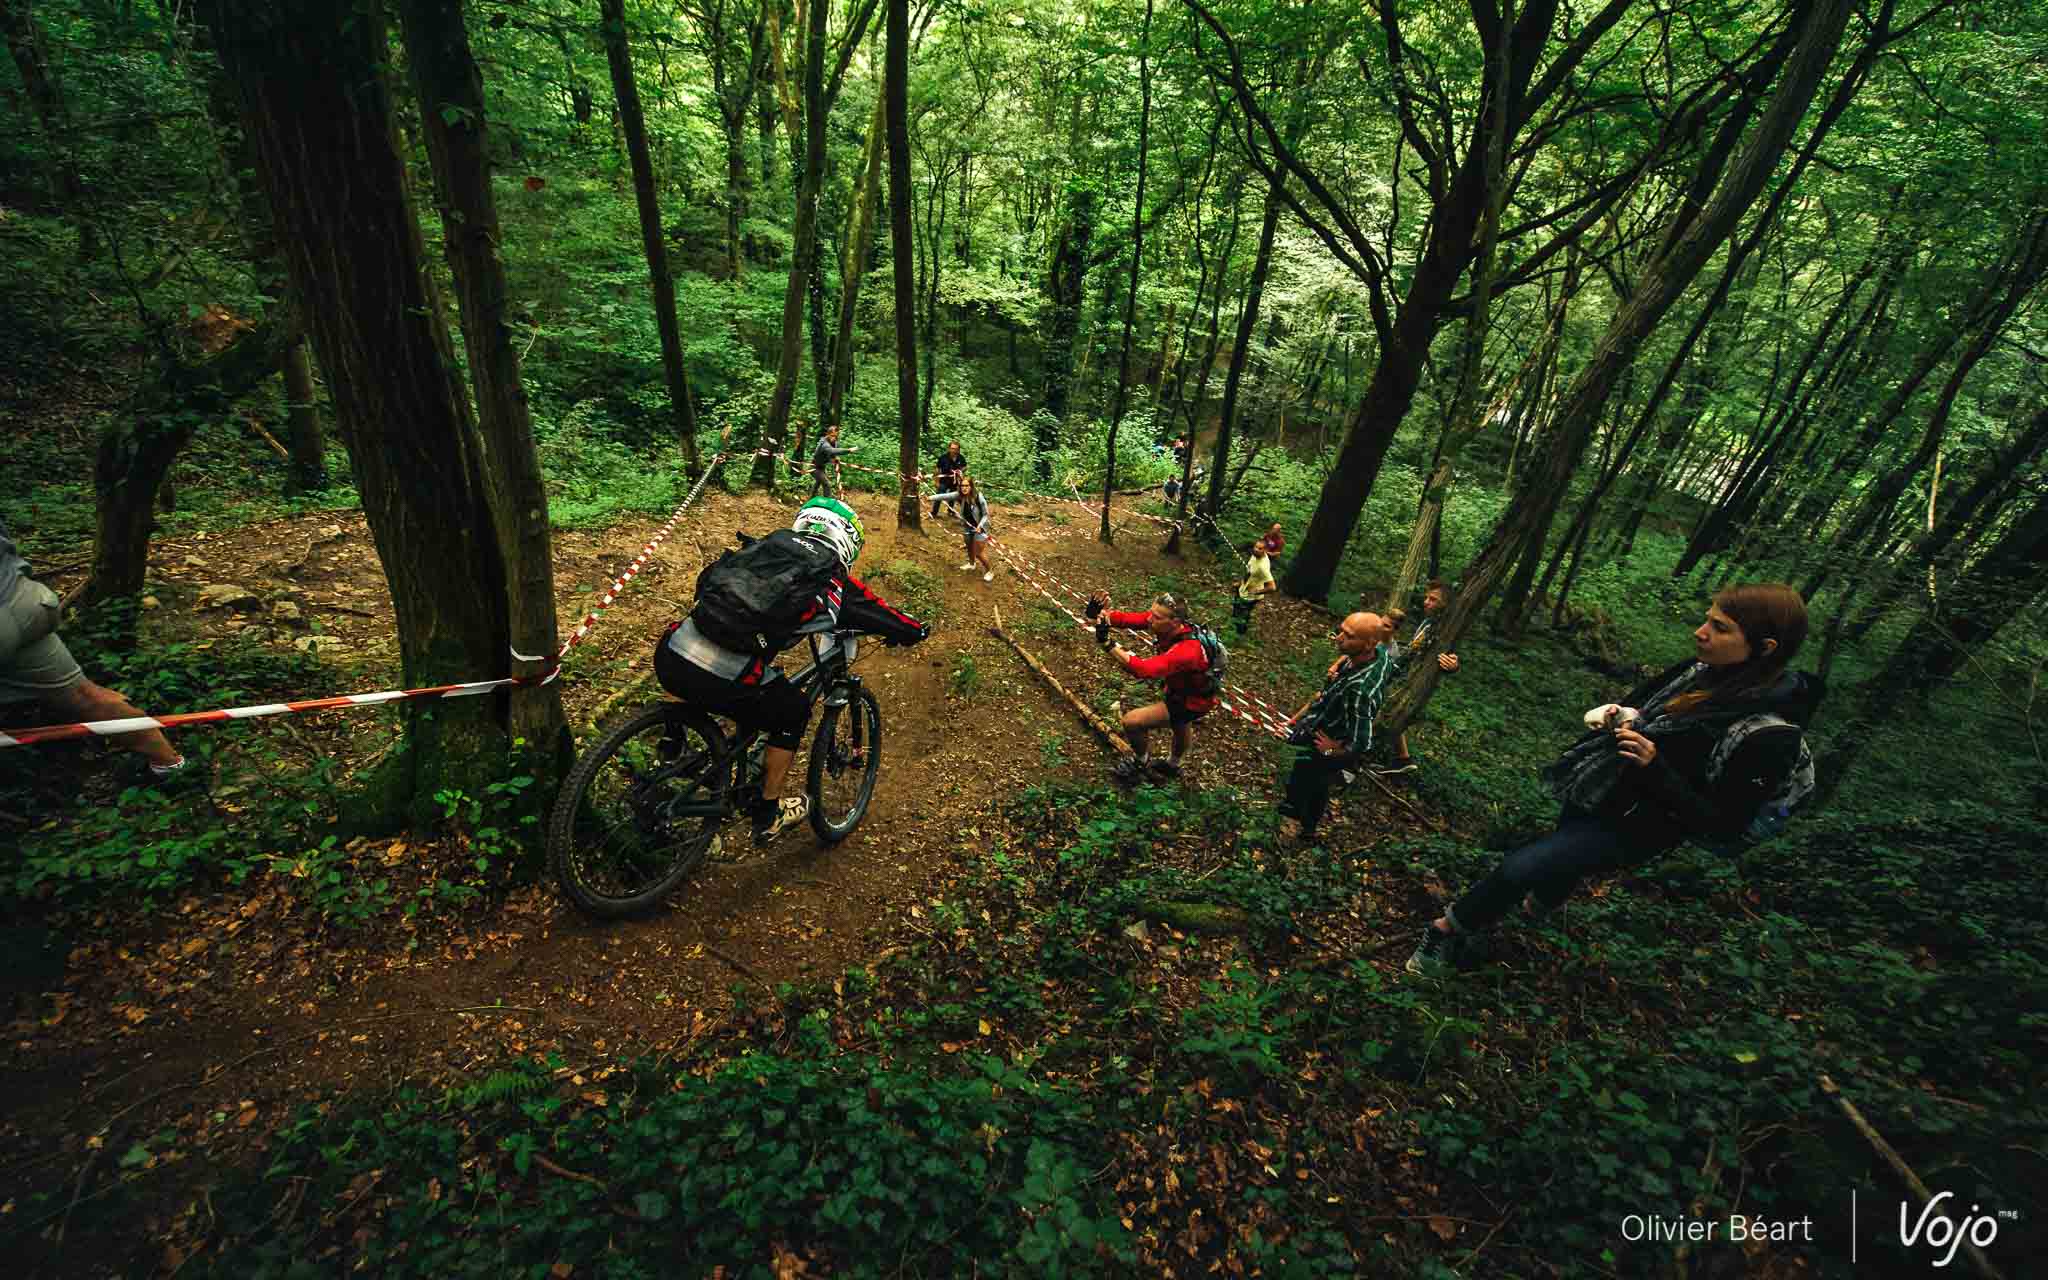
(647, 805)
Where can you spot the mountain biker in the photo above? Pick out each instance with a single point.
(1180, 661)
(758, 695)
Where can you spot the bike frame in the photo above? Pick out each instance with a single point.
(829, 672)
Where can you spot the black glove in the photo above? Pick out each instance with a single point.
(1102, 632)
(924, 632)
(743, 539)
(1094, 607)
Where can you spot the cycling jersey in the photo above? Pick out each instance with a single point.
(846, 603)
(1179, 660)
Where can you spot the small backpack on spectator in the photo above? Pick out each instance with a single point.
(1777, 808)
(1218, 656)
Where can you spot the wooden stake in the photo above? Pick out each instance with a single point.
(1902, 1169)
(1097, 723)
(269, 439)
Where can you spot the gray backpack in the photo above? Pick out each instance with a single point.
(1778, 807)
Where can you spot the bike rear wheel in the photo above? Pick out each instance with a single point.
(640, 810)
(846, 757)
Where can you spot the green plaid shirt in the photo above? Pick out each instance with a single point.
(1348, 704)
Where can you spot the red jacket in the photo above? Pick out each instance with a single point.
(1179, 660)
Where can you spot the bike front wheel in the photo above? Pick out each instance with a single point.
(639, 811)
(846, 757)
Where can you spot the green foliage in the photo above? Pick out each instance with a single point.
(147, 844)
(966, 678)
(913, 588)
(870, 1166)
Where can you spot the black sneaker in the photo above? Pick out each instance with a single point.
(1129, 769)
(1165, 770)
(1432, 957)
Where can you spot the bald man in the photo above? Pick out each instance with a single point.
(1333, 732)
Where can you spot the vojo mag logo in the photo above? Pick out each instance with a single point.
(1939, 1231)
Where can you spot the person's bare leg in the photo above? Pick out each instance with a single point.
(1139, 721)
(88, 701)
(1183, 738)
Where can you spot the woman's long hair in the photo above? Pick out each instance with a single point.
(1764, 611)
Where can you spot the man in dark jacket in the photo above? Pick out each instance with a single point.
(949, 466)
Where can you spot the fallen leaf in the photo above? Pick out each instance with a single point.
(985, 1028)
(1445, 1229)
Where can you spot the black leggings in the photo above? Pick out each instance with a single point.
(776, 705)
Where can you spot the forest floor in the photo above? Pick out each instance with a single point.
(210, 1021)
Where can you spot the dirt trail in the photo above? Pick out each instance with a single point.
(213, 1017)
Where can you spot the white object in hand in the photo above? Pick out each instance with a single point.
(1611, 715)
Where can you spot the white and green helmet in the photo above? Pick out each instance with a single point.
(834, 522)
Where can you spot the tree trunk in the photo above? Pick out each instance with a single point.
(451, 102)
(309, 76)
(25, 44)
(620, 56)
(1405, 347)
(1068, 282)
(2018, 273)
(1686, 244)
(137, 448)
(1123, 363)
(902, 253)
(1998, 587)
(806, 248)
(1247, 324)
(307, 469)
(853, 266)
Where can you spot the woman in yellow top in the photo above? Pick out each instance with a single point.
(1258, 583)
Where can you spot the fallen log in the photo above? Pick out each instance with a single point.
(1196, 917)
(1101, 727)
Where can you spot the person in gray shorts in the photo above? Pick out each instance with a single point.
(35, 666)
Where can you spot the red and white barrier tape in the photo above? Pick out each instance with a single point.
(1129, 511)
(1233, 699)
(632, 570)
(135, 724)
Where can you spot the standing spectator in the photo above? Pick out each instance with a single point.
(35, 665)
(1275, 541)
(1258, 583)
(1332, 734)
(1180, 660)
(1672, 765)
(974, 520)
(1434, 598)
(950, 465)
(825, 464)
(1180, 451)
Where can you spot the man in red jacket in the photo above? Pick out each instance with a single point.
(1179, 660)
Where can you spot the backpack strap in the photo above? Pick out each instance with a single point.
(1740, 732)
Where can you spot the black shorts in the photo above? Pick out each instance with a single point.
(775, 706)
(1179, 715)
